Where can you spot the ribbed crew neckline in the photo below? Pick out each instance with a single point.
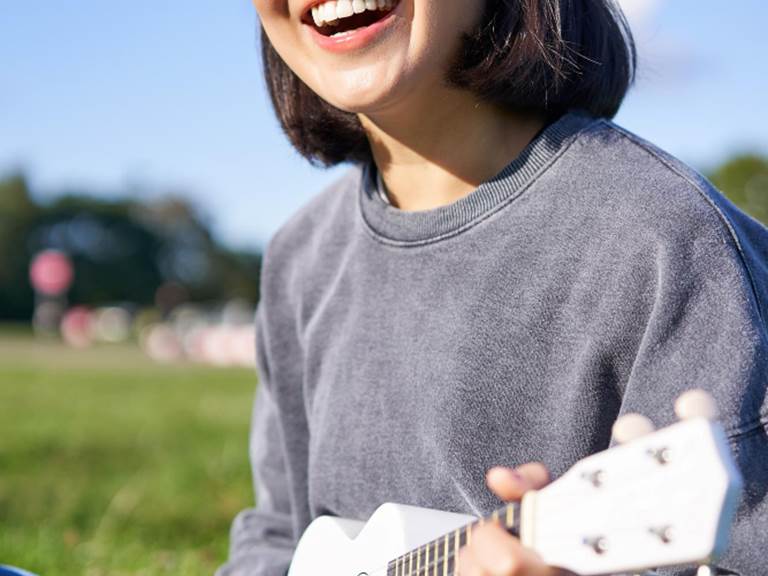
(392, 225)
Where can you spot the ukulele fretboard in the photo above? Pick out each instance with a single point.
(437, 558)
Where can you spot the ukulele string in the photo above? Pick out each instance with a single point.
(423, 570)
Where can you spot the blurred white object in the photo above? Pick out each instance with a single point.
(112, 324)
(224, 336)
(244, 346)
(160, 343)
(237, 312)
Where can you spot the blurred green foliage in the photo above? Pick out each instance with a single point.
(113, 465)
(744, 179)
(122, 249)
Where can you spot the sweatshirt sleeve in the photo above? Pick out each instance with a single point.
(705, 329)
(262, 538)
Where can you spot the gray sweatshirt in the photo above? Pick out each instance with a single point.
(403, 354)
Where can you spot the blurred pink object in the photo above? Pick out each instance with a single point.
(77, 327)
(51, 272)
(244, 346)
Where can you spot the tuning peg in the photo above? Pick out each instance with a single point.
(695, 404)
(631, 426)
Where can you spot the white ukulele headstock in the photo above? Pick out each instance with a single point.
(660, 499)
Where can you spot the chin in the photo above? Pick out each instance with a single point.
(366, 92)
(365, 102)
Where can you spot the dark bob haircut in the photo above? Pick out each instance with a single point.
(544, 56)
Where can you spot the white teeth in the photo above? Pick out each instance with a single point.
(316, 16)
(344, 8)
(329, 13)
(328, 10)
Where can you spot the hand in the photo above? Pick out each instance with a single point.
(494, 552)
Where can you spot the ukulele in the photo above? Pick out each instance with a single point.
(659, 498)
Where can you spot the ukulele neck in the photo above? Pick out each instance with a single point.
(437, 558)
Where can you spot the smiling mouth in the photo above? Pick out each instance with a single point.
(339, 17)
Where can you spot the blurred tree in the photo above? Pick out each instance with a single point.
(744, 179)
(122, 250)
(18, 214)
(115, 257)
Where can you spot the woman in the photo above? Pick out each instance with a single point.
(501, 274)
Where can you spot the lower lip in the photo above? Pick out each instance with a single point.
(356, 40)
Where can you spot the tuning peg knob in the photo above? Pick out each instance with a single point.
(695, 404)
(631, 426)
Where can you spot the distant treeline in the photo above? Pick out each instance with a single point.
(744, 179)
(123, 250)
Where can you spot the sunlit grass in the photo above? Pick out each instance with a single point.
(110, 464)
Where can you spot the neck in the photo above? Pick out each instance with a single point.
(438, 557)
(440, 149)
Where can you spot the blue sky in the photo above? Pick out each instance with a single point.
(152, 96)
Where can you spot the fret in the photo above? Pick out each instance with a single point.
(512, 519)
(456, 545)
(418, 561)
(449, 564)
(445, 556)
(437, 555)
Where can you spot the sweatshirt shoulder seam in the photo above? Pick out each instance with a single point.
(723, 219)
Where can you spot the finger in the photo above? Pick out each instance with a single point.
(499, 554)
(467, 564)
(511, 483)
(494, 550)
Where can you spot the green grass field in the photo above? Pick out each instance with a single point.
(113, 465)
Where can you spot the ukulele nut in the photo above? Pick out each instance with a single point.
(598, 544)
